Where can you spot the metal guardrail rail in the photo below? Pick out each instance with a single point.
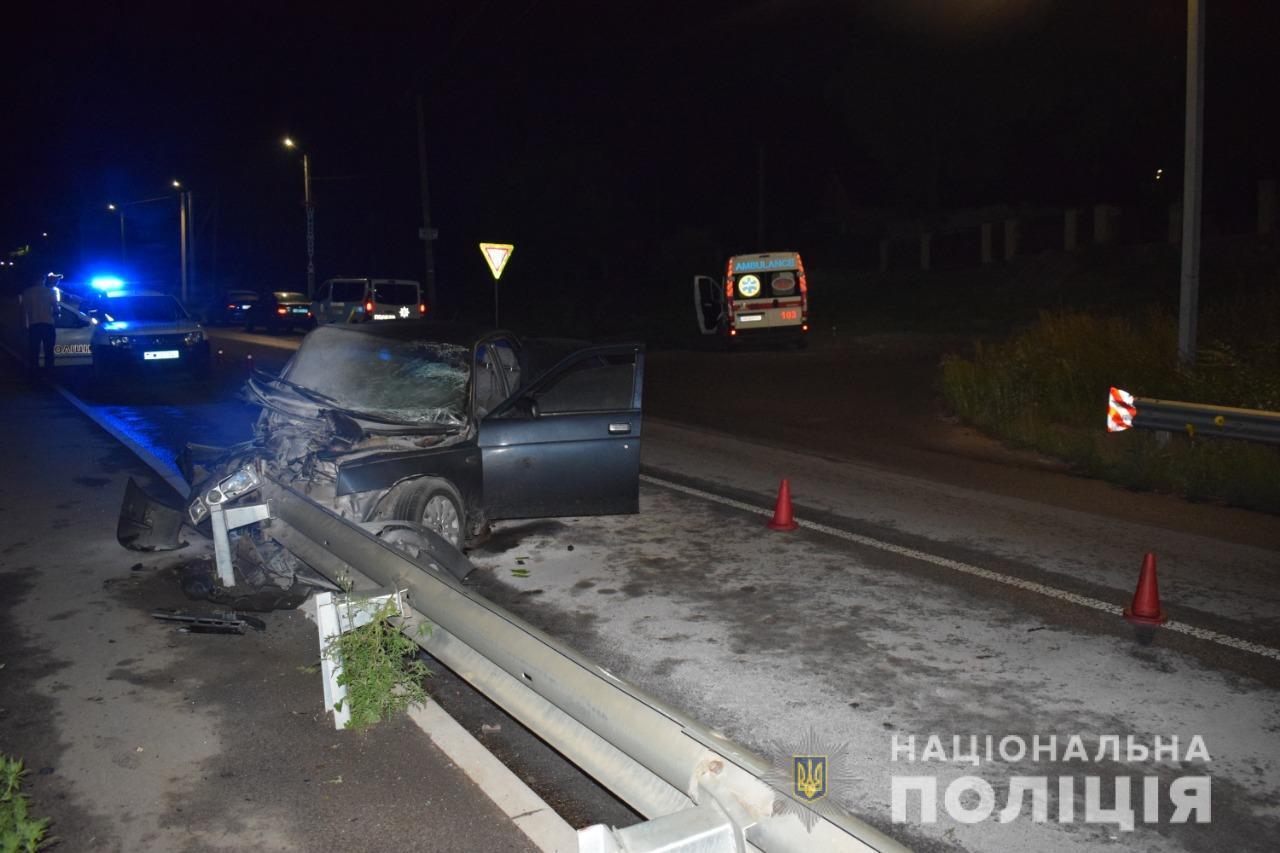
(652, 756)
(1194, 419)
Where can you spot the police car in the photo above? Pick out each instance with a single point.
(142, 330)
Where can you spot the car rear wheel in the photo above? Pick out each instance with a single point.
(437, 505)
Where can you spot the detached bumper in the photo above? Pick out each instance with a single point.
(148, 524)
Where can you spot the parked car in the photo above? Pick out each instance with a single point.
(279, 310)
(229, 308)
(362, 300)
(446, 427)
(142, 330)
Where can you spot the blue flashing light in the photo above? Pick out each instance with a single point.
(106, 282)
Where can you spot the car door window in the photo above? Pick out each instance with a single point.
(508, 363)
(487, 381)
(68, 319)
(348, 291)
(595, 383)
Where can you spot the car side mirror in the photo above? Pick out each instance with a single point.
(528, 407)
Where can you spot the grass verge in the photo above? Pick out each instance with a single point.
(1046, 388)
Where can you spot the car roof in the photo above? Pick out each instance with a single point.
(467, 334)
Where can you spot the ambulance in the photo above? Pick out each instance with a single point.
(761, 296)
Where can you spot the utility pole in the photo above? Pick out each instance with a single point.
(1192, 173)
(428, 249)
(191, 245)
(182, 237)
(311, 226)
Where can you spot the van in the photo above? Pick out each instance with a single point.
(360, 300)
(761, 296)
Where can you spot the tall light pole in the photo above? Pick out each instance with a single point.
(1192, 172)
(183, 224)
(311, 218)
(119, 211)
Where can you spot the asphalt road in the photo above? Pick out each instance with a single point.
(944, 587)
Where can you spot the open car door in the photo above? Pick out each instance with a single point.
(569, 443)
(708, 303)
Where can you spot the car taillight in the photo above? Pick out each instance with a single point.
(231, 306)
(368, 307)
(422, 307)
(308, 313)
(282, 310)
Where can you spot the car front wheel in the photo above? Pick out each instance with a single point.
(436, 505)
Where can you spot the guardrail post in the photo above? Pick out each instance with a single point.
(336, 615)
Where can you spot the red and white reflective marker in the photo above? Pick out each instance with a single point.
(1120, 411)
(496, 256)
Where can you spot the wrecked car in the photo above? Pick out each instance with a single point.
(447, 427)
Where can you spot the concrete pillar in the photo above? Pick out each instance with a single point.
(884, 254)
(1070, 229)
(1012, 235)
(1175, 223)
(926, 251)
(1267, 206)
(1105, 221)
(987, 255)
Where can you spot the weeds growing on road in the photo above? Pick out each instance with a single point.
(380, 669)
(1046, 388)
(19, 833)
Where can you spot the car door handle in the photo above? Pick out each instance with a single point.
(619, 429)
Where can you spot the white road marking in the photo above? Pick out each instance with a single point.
(974, 571)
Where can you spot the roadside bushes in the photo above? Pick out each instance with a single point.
(1046, 388)
(19, 832)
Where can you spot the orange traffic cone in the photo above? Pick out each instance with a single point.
(1145, 609)
(782, 519)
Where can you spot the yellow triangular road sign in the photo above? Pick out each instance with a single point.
(496, 256)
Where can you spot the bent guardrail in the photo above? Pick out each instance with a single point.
(1125, 411)
(649, 754)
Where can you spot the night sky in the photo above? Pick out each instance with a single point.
(603, 139)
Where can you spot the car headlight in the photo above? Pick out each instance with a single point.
(242, 481)
(228, 489)
(193, 338)
(120, 341)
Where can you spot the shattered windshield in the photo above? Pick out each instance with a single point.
(411, 381)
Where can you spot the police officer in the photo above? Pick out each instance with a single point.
(39, 308)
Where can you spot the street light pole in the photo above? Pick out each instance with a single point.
(182, 238)
(311, 226)
(119, 211)
(1192, 173)
(311, 217)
